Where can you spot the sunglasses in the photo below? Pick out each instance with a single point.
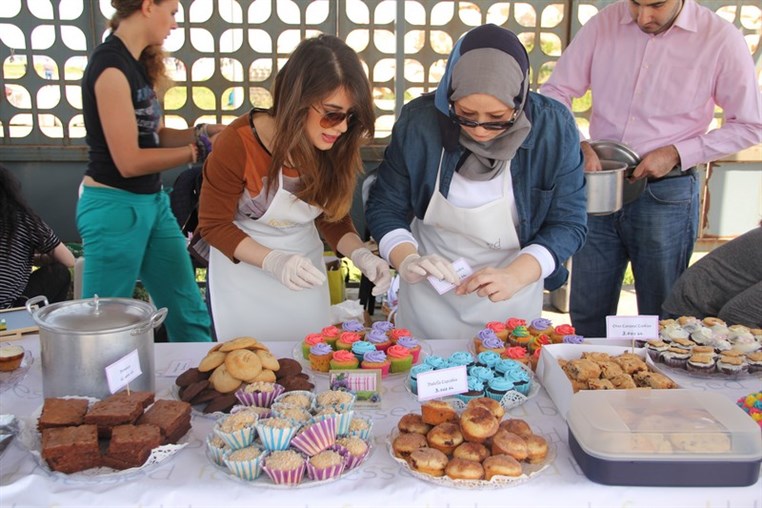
(334, 118)
(490, 126)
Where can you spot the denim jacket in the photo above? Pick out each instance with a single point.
(547, 173)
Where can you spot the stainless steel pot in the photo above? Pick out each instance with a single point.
(603, 189)
(615, 151)
(80, 338)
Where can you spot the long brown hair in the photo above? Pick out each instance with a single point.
(317, 68)
(152, 57)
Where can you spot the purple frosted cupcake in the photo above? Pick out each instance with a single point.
(354, 326)
(327, 464)
(361, 347)
(379, 339)
(572, 339)
(411, 344)
(384, 326)
(285, 467)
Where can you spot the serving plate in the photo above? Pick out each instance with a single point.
(529, 471)
(10, 379)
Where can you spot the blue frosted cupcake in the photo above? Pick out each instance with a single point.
(522, 381)
(475, 389)
(413, 378)
(461, 358)
(361, 347)
(488, 359)
(506, 365)
(483, 374)
(436, 362)
(498, 387)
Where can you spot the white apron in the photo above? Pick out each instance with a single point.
(246, 300)
(483, 236)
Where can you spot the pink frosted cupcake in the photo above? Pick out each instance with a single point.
(512, 323)
(315, 437)
(309, 341)
(516, 353)
(330, 335)
(395, 333)
(499, 328)
(346, 339)
(411, 344)
(327, 464)
(400, 357)
(537, 342)
(558, 333)
(285, 467)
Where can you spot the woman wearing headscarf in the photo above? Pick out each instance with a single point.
(486, 171)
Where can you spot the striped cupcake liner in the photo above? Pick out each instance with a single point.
(325, 473)
(317, 437)
(354, 460)
(275, 438)
(363, 434)
(259, 399)
(342, 421)
(311, 396)
(285, 477)
(246, 469)
(216, 452)
(237, 439)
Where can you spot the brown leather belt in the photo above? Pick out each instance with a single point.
(675, 172)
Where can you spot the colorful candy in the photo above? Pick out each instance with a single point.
(752, 404)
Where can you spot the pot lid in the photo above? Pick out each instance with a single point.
(94, 315)
(616, 151)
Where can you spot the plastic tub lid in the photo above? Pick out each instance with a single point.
(654, 425)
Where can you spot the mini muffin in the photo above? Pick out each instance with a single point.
(462, 469)
(285, 467)
(276, 433)
(343, 401)
(435, 412)
(237, 430)
(516, 426)
(413, 422)
(429, 461)
(508, 443)
(246, 462)
(258, 394)
(445, 437)
(477, 424)
(299, 398)
(501, 465)
(11, 357)
(406, 443)
(327, 464)
(537, 448)
(295, 413)
(493, 406)
(217, 448)
(357, 450)
(471, 451)
(360, 426)
(342, 419)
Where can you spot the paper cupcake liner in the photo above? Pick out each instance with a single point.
(279, 410)
(354, 460)
(342, 421)
(494, 396)
(246, 469)
(260, 399)
(342, 406)
(309, 395)
(280, 477)
(523, 389)
(275, 438)
(317, 437)
(363, 434)
(216, 453)
(466, 398)
(238, 439)
(325, 473)
(240, 407)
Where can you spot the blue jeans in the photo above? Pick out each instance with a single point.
(656, 233)
(127, 236)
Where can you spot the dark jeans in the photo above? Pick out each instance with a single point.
(52, 281)
(656, 233)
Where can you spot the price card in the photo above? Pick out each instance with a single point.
(440, 383)
(176, 367)
(462, 268)
(122, 371)
(364, 383)
(632, 327)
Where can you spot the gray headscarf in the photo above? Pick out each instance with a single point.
(493, 72)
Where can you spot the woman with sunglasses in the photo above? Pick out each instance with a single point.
(277, 180)
(488, 172)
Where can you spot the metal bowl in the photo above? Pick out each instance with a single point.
(615, 151)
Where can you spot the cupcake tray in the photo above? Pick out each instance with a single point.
(10, 379)
(529, 471)
(31, 439)
(264, 481)
(715, 374)
(296, 354)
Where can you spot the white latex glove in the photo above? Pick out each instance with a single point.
(374, 268)
(292, 270)
(415, 268)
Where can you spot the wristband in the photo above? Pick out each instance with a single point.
(200, 130)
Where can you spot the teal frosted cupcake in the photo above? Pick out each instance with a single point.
(483, 374)
(436, 362)
(487, 359)
(461, 358)
(361, 347)
(413, 378)
(498, 387)
(522, 381)
(276, 433)
(506, 365)
(246, 462)
(475, 389)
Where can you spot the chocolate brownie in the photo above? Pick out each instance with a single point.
(62, 413)
(191, 376)
(131, 445)
(71, 449)
(223, 403)
(169, 416)
(145, 398)
(111, 412)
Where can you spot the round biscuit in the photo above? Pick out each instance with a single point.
(243, 364)
(268, 360)
(222, 381)
(265, 375)
(211, 361)
(238, 343)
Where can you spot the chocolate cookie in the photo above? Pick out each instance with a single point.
(296, 383)
(190, 391)
(223, 403)
(190, 376)
(288, 367)
(205, 396)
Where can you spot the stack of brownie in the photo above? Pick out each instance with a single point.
(113, 411)
(71, 449)
(131, 445)
(173, 418)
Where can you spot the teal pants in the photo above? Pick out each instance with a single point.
(128, 236)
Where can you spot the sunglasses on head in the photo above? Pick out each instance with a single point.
(334, 118)
(490, 126)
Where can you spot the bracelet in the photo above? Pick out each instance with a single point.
(200, 130)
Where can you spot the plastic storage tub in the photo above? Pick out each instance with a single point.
(663, 438)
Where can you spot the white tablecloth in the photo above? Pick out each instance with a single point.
(188, 479)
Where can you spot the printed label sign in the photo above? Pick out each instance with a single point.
(632, 327)
(436, 384)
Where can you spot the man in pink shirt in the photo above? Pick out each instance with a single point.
(656, 69)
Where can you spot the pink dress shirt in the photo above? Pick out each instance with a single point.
(651, 91)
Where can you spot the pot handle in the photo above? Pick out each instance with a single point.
(31, 304)
(156, 319)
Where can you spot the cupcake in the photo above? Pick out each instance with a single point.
(700, 363)
(330, 335)
(535, 359)
(522, 382)
(673, 334)
(320, 357)
(341, 418)
(11, 357)
(357, 450)
(558, 333)
(703, 336)
(259, 393)
(299, 398)
(395, 333)
(497, 387)
(512, 323)
(483, 374)
(732, 365)
(499, 328)
(413, 378)
(343, 401)
(376, 360)
(489, 359)
(461, 358)
(475, 389)
(675, 357)
(679, 343)
(488, 341)
(345, 360)
(237, 430)
(745, 343)
(361, 347)
(296, 414)
(246, 462)
(411, 344)
(315, 437)
(353, 325)
(285, 467)
(309, 341)
(655, 347)
(400, 357)
(754, 360)
(217, 448)
(384, 326)
(519, 336)
(360, 426)
(712, 321)
(437, 362)
(572, 339)
(327, 464)
(537, 342)
(506, 365)
(276, 433)
(540, 326)
(346, 339)
(379, 339)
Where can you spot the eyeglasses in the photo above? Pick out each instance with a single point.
(334, 118)
(490, 126)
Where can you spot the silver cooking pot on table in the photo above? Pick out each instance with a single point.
(80, 338)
